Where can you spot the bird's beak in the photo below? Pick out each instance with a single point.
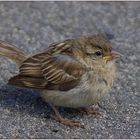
(112, 56)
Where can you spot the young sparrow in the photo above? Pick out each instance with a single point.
(75, 73)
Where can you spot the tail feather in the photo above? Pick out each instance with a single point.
(12, 52)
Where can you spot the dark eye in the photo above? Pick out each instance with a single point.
(98, 53)
(110, 49)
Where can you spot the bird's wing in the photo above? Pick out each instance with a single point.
(30, 74)
(62, 70)
(50, 70)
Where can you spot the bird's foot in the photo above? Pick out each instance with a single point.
(57, 116)
(90, 111)
(67, 122)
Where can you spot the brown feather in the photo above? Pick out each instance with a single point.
(29, 82)
(53, 69)
(12, 52)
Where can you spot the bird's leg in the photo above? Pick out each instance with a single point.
(57, 116)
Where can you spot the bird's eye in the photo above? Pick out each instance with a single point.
(98, 53)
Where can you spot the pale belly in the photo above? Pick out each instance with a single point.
(87, 93)
(77, 97)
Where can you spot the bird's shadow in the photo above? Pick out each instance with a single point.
(28, 101)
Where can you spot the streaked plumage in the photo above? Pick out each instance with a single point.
(73, 73)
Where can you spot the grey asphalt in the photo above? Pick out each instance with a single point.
(32, 26)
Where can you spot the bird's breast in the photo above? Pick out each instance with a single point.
(92, 87)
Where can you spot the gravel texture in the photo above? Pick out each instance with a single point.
(32, 26)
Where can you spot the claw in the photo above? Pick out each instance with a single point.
(90, 111)
(65, 121)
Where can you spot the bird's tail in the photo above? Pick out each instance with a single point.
(12, 52)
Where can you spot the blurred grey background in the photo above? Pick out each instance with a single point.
(32, 26)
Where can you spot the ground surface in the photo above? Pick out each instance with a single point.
(32, 26)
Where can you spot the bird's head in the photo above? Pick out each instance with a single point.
(96, 51)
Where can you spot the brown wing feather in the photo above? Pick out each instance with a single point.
(32, 66)
(29, 82)
(54, 69)
(61, 69)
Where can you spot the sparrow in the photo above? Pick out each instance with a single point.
(74, 73)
